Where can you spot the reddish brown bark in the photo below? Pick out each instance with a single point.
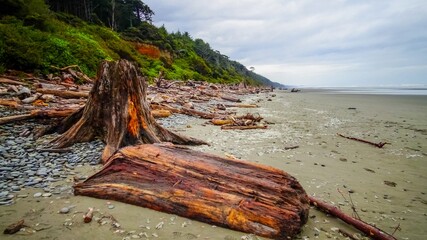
(369, 230)
(236, 194)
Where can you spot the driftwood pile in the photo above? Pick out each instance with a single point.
(59, 96)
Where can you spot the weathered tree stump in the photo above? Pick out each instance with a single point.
(235, 194)
(117, 112)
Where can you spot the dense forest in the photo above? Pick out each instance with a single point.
(37, 35)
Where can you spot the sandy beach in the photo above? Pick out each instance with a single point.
(387, 186)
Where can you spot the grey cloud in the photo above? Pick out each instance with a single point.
(338, 41)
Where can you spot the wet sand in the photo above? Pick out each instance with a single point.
(324, 163)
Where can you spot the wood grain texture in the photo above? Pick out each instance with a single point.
(235, 194)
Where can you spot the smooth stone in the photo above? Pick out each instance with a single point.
(15, 188)
(50, 179)
(37, 195)
(4, 194)
(10, 202)
(110, 206)
(22, 196)
(64, 210)
(47, 194)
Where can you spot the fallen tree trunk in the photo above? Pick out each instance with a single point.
(37, 114)
(196, 113)
(235, 194)
(15, 118)
(367, 229)
(12, 82)
(230, 99)
(62, 93)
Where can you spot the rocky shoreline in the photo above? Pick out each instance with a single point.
(24, 163)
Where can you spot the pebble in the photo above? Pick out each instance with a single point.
(47, 194)
(110, 206)
(64, 210)
(37, 195)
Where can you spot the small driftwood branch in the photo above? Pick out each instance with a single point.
(225, 127)
(346, 234)
(369, 230)
(291, 147)
(87, 218)
(54, 150)
(220, 122)
(242, 105)
(15, 227)
(12, 82)
(161, 113)
(9, 103)
(79, 75)
(378, 145)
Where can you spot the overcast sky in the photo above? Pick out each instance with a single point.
(311, 42)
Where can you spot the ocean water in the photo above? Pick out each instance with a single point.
(377, 90)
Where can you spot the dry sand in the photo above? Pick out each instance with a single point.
(325, 164)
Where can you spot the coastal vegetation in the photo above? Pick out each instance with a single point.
(36, 35)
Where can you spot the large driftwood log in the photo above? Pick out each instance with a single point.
(117, 112)
(49, 113)
(236, 194)
(62, 93)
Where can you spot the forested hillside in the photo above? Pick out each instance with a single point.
(36, 35)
